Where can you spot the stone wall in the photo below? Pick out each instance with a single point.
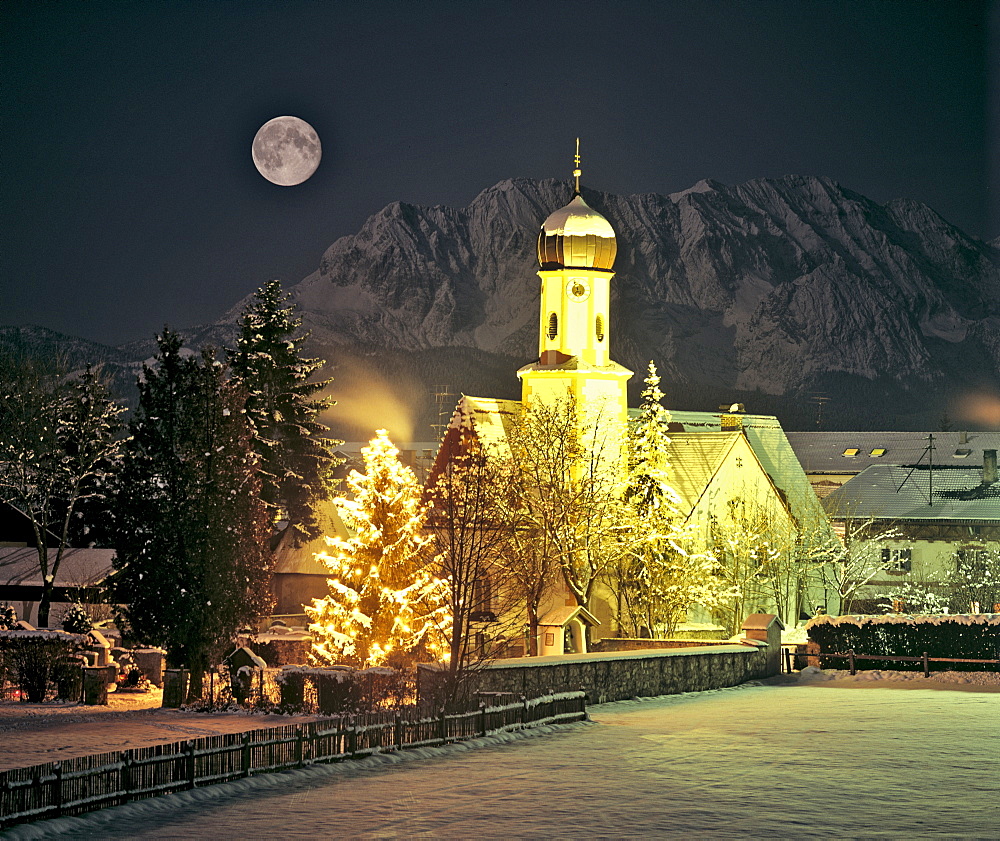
(612, 676)
(628, 644)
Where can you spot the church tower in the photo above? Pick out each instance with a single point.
(576, 252)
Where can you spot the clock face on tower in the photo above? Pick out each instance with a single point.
(578, 289)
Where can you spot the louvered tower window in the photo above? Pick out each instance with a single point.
(553, 326)
(599, 329)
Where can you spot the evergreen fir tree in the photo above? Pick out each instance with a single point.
(662, 573)
(385, 606)
(296, 460)
(192, 564)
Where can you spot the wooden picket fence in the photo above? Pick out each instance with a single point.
(84, 784)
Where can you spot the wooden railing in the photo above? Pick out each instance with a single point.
(792, 658)
(86, 783)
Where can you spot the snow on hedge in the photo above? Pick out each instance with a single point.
(905, 619)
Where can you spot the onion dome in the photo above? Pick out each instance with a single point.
(577, 237)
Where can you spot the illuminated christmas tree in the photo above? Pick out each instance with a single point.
(386, 606)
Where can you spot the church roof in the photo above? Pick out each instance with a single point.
(577, 236)
(770, 444)
(577, 219)
(695, 458)
(700, 446)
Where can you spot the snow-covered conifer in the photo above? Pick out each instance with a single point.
(284, 409)
(662, 572)
(386, 606)
(192, 564)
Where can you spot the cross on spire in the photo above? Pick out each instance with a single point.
(576, 168)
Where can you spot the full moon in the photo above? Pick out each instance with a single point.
(286, 151)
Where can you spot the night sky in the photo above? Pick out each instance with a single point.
(128, 197)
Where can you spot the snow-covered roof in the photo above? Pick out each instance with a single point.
(695, 458)
(887, 491)
(560, 616)
(577, 219)
(78, 568)
(301, 560)
(852, 452)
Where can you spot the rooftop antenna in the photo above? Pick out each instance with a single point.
(576, 168)
(819, 399)
(443, 406)
(929, 452)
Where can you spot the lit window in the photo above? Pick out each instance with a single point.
(851, 452)
(878, 452)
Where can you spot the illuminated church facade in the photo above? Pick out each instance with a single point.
(718, 460)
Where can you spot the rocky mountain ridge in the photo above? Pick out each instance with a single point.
(771, 291)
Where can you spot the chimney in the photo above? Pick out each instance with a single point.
(989, 467)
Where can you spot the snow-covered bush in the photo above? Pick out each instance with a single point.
(77, 620)
(949, 635)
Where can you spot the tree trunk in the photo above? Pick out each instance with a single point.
(532, 632)
(45, 604)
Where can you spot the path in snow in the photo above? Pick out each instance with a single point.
(804, 760)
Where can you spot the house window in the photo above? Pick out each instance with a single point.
(971, 558)
(897, 561)
(877, 452)
(599, 329)
(482, 593)
(553, 326)
(851, 452)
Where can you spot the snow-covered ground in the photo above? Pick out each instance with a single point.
(813, 757)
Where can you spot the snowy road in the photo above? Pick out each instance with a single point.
(779, 761)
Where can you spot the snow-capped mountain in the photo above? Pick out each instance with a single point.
(764, 292)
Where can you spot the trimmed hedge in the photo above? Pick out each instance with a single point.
(975, 637)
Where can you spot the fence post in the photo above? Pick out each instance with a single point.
(524, 711)
(398, 731)
(443, 727)
(189, 754)
(482, 718)
(299, 739)
(126, 775)
(246, 754)
(927, 668)
(352, 735)
(850, 660)
(57, 788)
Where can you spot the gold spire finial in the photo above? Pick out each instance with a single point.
(576, 168)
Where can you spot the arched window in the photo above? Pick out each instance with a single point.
(553, 326)
(599, 328)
